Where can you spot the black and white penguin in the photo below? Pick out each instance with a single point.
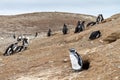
(10, 50)
(76, 60)
(65, 29)
(14, 36)
(91, 24)
(99, 18)
(95, 35)
(49, 32)
(80, 27)
(36, 34)
(19, 49)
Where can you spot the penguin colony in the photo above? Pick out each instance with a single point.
(75, 59)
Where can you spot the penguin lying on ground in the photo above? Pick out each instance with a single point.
(95, 35)
(10, 50)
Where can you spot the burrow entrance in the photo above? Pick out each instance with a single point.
(86, 64)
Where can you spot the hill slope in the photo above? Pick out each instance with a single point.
(40, 22)
(48, 57)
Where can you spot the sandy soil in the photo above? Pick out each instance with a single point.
(47, 58)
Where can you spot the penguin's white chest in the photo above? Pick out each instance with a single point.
(74, 62)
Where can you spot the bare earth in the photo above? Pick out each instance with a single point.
(47, 58)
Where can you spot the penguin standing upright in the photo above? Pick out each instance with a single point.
(65, 29)
(99, 18)
(49, 32)
(76, 60)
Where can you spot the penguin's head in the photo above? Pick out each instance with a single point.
(72, 50)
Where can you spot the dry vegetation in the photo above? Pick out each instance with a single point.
(40, 22)
(48, 57)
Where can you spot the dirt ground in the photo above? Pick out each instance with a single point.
(47, 58)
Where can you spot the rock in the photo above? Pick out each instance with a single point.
(116, 77)
(50, 61)
(1, 59)
(118, 66)
(1, 64)
(65, 60)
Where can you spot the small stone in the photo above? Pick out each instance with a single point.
(65, 60)
(118, 66)
(116, 77)
(1, 59)
(1, 64)
(51, 61)
(101, 41)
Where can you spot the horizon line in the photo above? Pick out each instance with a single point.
(29, 12)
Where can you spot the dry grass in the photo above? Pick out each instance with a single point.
(48, 57)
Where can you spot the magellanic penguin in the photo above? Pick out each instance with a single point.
(95, 35)
(76, 60)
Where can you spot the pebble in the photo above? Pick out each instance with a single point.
(65, 60)
(118, 66)
(1, 64)
(51, 61)
(116, 77)
(1, 59)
